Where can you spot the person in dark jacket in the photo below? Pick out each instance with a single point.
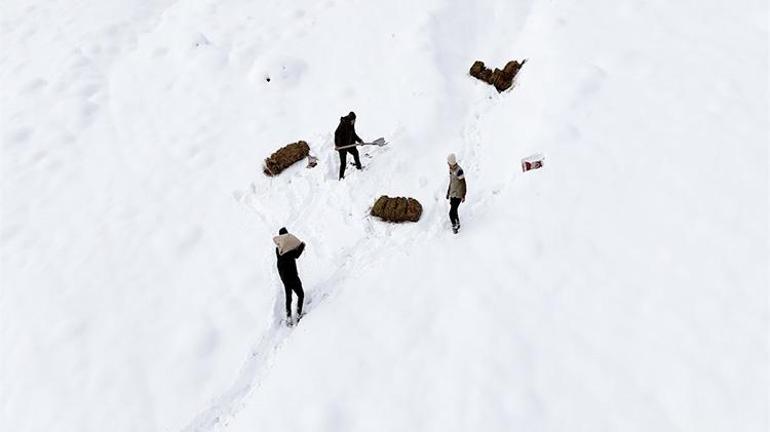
(345, 136)
(287, 270)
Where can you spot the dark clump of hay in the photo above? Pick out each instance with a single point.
(501, 79)
(398, 209)
(285, 157)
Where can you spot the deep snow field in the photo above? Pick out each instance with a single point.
(623, 287)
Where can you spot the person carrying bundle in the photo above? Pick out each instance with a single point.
(288, 250)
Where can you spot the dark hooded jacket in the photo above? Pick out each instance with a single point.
(287, 263)
(345, 134)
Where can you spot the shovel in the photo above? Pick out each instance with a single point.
(379, 142)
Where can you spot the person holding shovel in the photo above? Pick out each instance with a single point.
(345, 139)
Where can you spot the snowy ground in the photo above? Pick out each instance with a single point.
(624, 287)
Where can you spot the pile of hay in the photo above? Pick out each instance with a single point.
(501, 79)
(285, 157)
(397, 209)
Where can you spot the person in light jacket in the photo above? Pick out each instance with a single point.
(455, 191)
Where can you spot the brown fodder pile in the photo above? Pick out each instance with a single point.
(285, 157)
(398, 209)
(501, 79)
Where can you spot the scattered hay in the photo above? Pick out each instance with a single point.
(501, 79)
(398, 209)
(285, 157)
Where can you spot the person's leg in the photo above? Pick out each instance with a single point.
(287, 292)
(452, 211)
(354, 152)
(454, 203)
(300, 296)
(457, 211)
(343, 162)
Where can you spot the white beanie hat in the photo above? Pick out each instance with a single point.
(452, 159)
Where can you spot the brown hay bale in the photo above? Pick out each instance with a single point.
(398, 209)
(477, 68)
(501, 79)
(486, 76)
(285, 157)
(512, 68)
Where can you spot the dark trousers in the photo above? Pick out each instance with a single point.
(296, 286)
(454, 203)
(343, 159)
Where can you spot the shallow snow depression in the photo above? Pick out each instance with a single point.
(621, 287)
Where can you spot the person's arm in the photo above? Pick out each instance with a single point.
(298, 251)
(338, 138)
(448, 188)
(463, 188)
(356, 138)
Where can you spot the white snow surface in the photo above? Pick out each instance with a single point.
(622, 287)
